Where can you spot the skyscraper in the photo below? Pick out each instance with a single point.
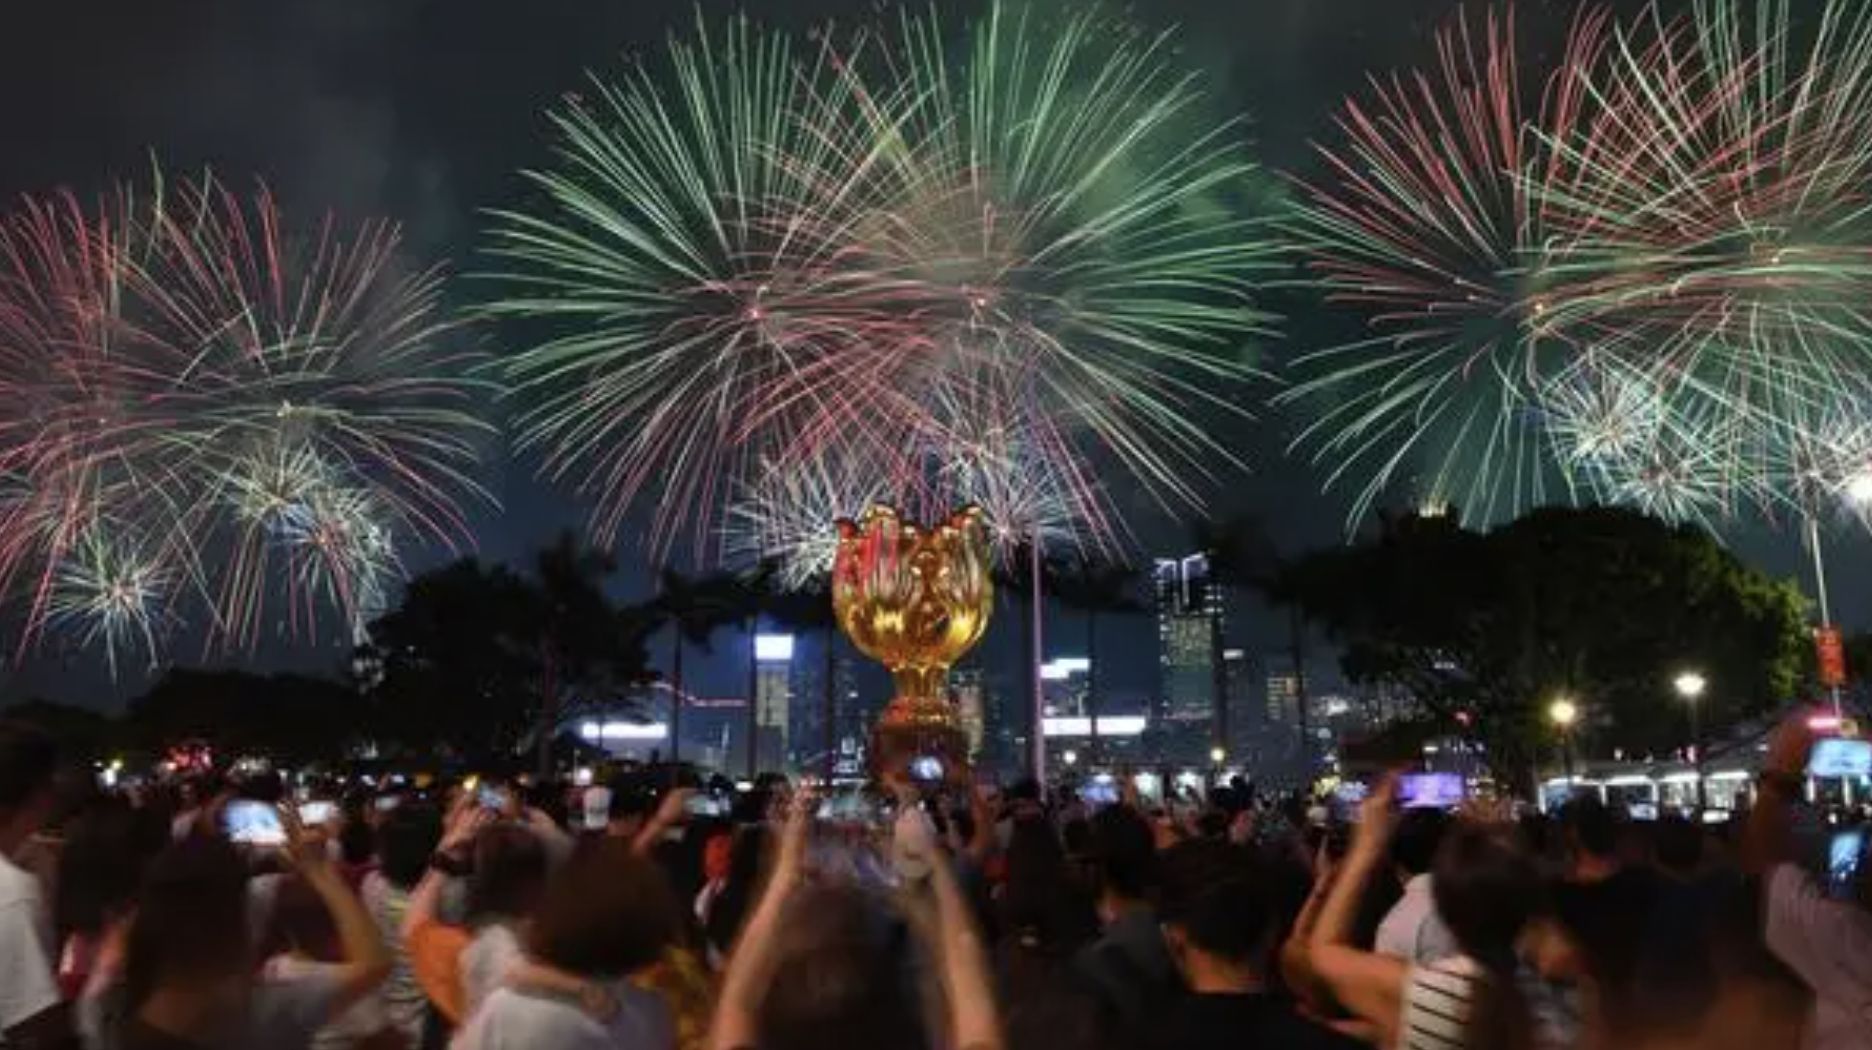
(1189, 626)
(773, 695)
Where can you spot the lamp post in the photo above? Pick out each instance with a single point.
(1563, 713)
(1690, 686)
(1216, 757)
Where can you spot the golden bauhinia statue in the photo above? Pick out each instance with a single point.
(915, 599)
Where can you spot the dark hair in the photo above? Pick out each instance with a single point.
(1209, 892)
(1039, 905)
(357, 843)
(1679, 844)
(28, 760)
(300, 922)
(1419, 833)
(607, 913)
(405, 840)
(191, 919)
(1590, 826)
(1123, 852)
(839, 980)
(509, 872)
(107, 847)
(1486, 888)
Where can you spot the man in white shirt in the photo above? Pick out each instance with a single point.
(1827, 942)
(30, 1011)
(1411, 930)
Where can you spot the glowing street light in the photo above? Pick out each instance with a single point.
(1071, 757)
(1563, 713)
(1690, 685)
(1217, 755)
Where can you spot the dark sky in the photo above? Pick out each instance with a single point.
(424, 109)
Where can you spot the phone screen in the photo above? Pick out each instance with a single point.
(926, 769)
(254, 823)
(1430, 790)
(1838, 757)
(1099, 791)
(386, 803)
(492, 797)
(1844, 854)
(701, 805)
(317, 811)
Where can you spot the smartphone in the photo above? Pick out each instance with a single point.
(1844, 853)
(492, 797)
(1839, 757)
(1099, 791)
(317, 811)
(1430, 790)
(703, 805)
(386, 803)
(926, 769)
(253, 823)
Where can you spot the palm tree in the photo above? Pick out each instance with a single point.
(809, 608)
(1097, 589)
(694, 607)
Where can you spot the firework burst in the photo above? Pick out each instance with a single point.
(773, 257)
(1428, 226)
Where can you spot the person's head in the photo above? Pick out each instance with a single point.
(189, 933)
(632, 802)
(1123, 852)
(1215, 916)
(357, 841)
(1591, 830)
(28, 767)
(300, 924)
(1041, 905)
(1679, 845)
(606, 914)
(1414, 843)
(509, 873)
(1485, 887)
(405, 840)
(838, 979)
(108, 845)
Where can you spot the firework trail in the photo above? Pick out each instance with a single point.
(203, 407)
(1428, 226)
(757, 259)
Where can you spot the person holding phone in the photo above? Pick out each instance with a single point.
(188, 979)
(1828, 943)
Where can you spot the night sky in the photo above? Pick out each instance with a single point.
(423, 110)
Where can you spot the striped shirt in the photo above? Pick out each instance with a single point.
(1439, 998)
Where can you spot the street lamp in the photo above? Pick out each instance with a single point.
(1071, 758)
(1690, 686)
(1217, 755)
(1563, 713)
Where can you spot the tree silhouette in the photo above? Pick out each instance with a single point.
(1096, 589)
(694, 608)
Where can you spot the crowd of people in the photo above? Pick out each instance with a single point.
(560, 918)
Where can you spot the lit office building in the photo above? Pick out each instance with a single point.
(773, 699)
(968, 688)
(1189, 625)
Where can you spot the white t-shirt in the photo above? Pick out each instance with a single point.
(362, 1020)
(1411, 930)
(516, 1020)
(485, 963)
(1439, 999)
(27, 987)
(1829, 944)
(403, 999)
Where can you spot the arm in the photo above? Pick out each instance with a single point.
(435, 947)
(366, 961)
(982, 844)
(1766, 840)
(752, 962)
(670, 812)
(974, 1023)
(1295, 961)
(1370, 986)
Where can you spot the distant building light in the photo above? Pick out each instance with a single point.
(1234, 654)
(624, 731)
(773, 648)
(1062, 668)
(1114, 726)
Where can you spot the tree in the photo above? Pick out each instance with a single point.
(694, 608)
(477, 658)
(1604, 606)
(292, 719)
(80, 731)
(1095, 589)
